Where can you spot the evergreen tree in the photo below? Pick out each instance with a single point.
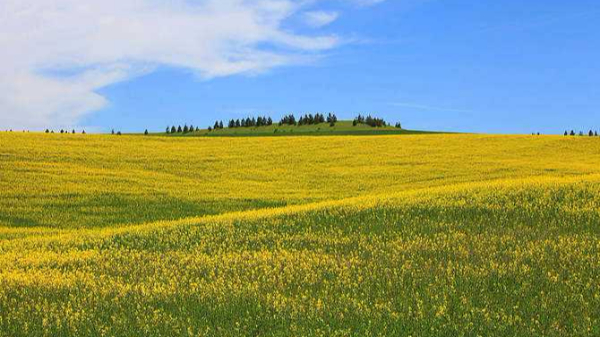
(231, 124)
(83, 132)
(146, 132)
(269, 121)
(216, 125)
(73, 131)
(119, 133)
(220, 124)
(591, 133)
(238, 123)
(173, 130)
(566, 133)
(399, 126)
(179, 129)
(47, 131)
(185, 129)
(209, 128)
(168, 130)
(112, 132)
(354, 122)
(191, 129)
(572, 132)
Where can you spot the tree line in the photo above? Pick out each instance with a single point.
(581, 133)
(179, 130)
(370, 121)
(63, 131)
(250, 122)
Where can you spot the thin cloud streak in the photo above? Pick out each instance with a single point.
(429, 108)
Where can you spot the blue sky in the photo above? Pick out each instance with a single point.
(502, 66)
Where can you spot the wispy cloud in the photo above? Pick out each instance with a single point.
(320, 18)
(57, 54)
(428, 107)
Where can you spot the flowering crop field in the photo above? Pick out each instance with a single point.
(331, 235)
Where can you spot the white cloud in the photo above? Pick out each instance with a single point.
(319, 18)
(56, 54)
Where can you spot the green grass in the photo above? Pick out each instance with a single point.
(341, 128)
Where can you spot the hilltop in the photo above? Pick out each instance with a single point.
(340, 128)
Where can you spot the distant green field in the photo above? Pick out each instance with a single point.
(341, 128)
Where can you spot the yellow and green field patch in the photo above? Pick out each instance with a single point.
(382, 235)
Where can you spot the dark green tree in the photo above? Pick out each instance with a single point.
(146, 132)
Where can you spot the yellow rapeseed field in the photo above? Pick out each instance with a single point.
(342, 235)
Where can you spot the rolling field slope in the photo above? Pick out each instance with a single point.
(377, 235)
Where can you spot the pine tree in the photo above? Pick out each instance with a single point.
(112, 132)
(83, 132)
(179, 129)
(73, 131)
(572, 132)
(119, 133)
(191, 129)
(591, 133)
(173, 130)
(238, 123)
(168, 130)
(354, 122)
(185, 129)
(47, 131)
(269, 121)
(146, 132)
(566, 133)
(220, 124)
(209, 128)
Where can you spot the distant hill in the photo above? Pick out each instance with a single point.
(340, 128)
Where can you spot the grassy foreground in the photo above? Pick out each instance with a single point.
(381, 235)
